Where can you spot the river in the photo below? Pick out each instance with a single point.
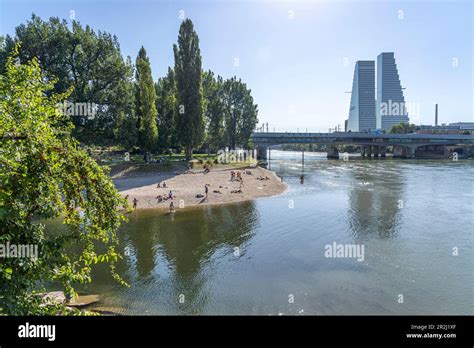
(414, 219)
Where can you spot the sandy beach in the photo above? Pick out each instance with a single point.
(188, 187)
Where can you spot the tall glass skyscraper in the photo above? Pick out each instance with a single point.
(362, 110)
(391, 108)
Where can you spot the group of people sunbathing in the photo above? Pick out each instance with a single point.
(162, 198)
(237, 176)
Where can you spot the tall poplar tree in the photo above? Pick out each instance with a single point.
(190, 119)
(145, 103)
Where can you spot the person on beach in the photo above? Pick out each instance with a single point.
(164, 184)
(170, 195)
(232, 175)
(172, 210)
(135, 201)
(206, 189)
(241, 182)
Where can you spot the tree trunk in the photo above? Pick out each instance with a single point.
(189, 153)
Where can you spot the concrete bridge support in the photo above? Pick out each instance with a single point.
(369, 151)
(397, 151)
(376, 151)
(262, 152)
(362, 151)
(383, 151)
(404, 151)
(333, 152)
(410, 152)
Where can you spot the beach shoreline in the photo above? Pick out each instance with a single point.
(188, 187)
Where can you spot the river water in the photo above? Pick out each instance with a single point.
(414, 219)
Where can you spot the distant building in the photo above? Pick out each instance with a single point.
(362, 108)
(452, 128)
(390, 106)
(464, 125)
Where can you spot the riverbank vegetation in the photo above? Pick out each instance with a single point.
(45, 175)
(187, 110)
(70, 102)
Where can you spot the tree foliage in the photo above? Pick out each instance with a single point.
(403, 128)
(89, 61)
(187, 57)
(145, 103)
(189, 107)
(240, 113)
(45, 175)
(167, 108)
(214, 110)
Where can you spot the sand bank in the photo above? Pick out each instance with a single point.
(187, 187)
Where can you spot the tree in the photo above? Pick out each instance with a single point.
(403, 128)
(166, 106)
(3, 53)
(187, 58)
(125, 131)
(145, 103)
(214, 109)
(45, 175)
(240, 113)
(90, 61)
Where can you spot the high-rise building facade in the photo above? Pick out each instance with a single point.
(362, 115)
(391, 108)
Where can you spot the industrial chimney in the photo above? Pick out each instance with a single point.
(436, 115)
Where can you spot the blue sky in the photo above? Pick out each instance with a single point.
(297, 57)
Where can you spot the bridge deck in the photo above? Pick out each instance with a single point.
(262, 138)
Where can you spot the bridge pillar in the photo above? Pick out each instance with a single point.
(383, 151)
(369, 151)
(262, 153)
(376, 151)
(404, 151)
(333, 152)
(397, 151)
(409, 152)
(362, 151)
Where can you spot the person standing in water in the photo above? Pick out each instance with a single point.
(172, 210)
(135, 201)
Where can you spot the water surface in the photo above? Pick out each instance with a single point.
(254, 257)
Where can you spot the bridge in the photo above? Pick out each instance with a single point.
(404, 145)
